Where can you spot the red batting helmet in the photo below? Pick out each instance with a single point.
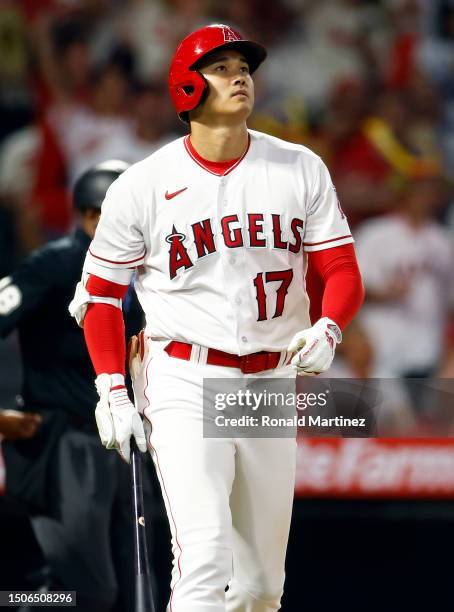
(187, 86)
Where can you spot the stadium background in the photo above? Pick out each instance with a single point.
(369, 85)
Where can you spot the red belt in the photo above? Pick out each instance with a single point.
(248, 364)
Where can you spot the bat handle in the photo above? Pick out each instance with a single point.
(141, 557)
(144, 595)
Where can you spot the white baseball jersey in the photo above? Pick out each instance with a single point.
(407, 333)
(220, 260)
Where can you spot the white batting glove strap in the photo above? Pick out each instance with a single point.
(315, 347)
(116, 417)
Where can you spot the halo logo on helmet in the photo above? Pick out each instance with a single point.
(229, 34)
(187, 86)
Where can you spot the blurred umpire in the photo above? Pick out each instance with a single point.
(77, 494)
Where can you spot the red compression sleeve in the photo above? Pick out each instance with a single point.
(334, 284)
(104, 328)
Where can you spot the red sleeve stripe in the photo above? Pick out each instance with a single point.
(117, 262)
(101, 287)
(325, 241)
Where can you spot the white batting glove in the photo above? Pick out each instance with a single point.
(315, 347)
(117, 417)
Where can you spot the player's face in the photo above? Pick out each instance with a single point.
(231, 89)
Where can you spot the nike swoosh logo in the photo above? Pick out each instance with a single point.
(169, 196)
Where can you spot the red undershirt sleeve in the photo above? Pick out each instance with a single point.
(334, 285)
(104, 328)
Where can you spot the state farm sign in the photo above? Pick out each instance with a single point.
(374, 467)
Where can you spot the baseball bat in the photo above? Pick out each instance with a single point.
(143, 587)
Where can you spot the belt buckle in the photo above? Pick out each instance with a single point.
(253, 363)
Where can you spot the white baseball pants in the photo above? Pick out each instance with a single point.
(228, 500)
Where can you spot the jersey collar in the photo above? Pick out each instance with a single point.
(217, 168)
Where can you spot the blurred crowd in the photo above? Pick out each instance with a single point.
(368, 85)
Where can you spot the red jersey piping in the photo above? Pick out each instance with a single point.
(116, 262)
(325, 241)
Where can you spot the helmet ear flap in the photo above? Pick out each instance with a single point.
(191, 86)
(188, 91)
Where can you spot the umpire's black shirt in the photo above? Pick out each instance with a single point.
(57, 371)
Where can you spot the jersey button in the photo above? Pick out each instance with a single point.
(238, 300)
(232, 260)
(243, 339)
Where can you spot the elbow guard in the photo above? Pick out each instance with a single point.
(78, 305)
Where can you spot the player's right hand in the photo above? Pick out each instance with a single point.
(117, 418)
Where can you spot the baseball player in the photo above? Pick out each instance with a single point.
(220, 227)
(409, 286)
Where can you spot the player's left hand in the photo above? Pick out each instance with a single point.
(315, 347)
